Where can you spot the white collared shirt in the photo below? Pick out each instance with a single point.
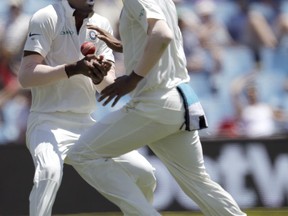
(155, 96)
(53, 34)
(171, 69)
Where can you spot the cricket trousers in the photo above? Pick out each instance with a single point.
(181, 152)
(49, 139)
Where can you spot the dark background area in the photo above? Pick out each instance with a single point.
(76, 196)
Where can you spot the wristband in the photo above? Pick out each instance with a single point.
(70, 70)
(67, 73)
(137, 75)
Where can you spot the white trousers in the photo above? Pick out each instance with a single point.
(181, 152)
(49, 138)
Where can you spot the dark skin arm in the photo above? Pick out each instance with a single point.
(92, 66)
(112, 42)
(122, 86)
(159, 36)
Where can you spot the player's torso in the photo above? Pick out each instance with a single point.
(171, 68)
(67, 41)
(63, 43)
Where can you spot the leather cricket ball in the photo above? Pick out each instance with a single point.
(88, 48)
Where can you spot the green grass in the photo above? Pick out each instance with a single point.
(249, 212)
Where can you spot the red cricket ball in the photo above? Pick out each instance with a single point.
(88, 48)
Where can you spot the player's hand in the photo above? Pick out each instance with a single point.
(122, 86)
(102, 66)
(91, 66)
(112, 42)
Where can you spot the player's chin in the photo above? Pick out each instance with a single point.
(88, 9)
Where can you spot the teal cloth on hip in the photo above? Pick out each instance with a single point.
(195, 118)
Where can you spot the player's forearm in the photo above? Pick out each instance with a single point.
(33, 73)
(159, 37)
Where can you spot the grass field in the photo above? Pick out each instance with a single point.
(251, 212)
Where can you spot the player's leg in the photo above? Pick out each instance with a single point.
(136, 167)
(139, 169)
(48, 173)
(109, 178)
(182, 155)
(127, 181)
(109, 139)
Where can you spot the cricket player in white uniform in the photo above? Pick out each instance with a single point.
(63, 97)
(164, 112)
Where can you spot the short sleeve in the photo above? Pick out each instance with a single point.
(41, 32)
(142, 10)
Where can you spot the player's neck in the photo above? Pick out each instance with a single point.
(79, 17)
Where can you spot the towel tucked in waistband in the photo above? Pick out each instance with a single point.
(195, 118)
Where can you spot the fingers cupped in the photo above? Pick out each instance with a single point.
(90, 57)
(90, 26)
(101, 68)
(97, 73)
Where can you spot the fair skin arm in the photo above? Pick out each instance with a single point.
(159, 36)
(33, 72)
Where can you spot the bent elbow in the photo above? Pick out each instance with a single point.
(26, 71)
(23, 82)
(167, 37)
(24, 78)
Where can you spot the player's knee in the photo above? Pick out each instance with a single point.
(48, 164)
(50, 171)
(147, 179)
(147, 183)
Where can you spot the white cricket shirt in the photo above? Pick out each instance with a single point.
(171, 68)
(152, 93)
(53, 34)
